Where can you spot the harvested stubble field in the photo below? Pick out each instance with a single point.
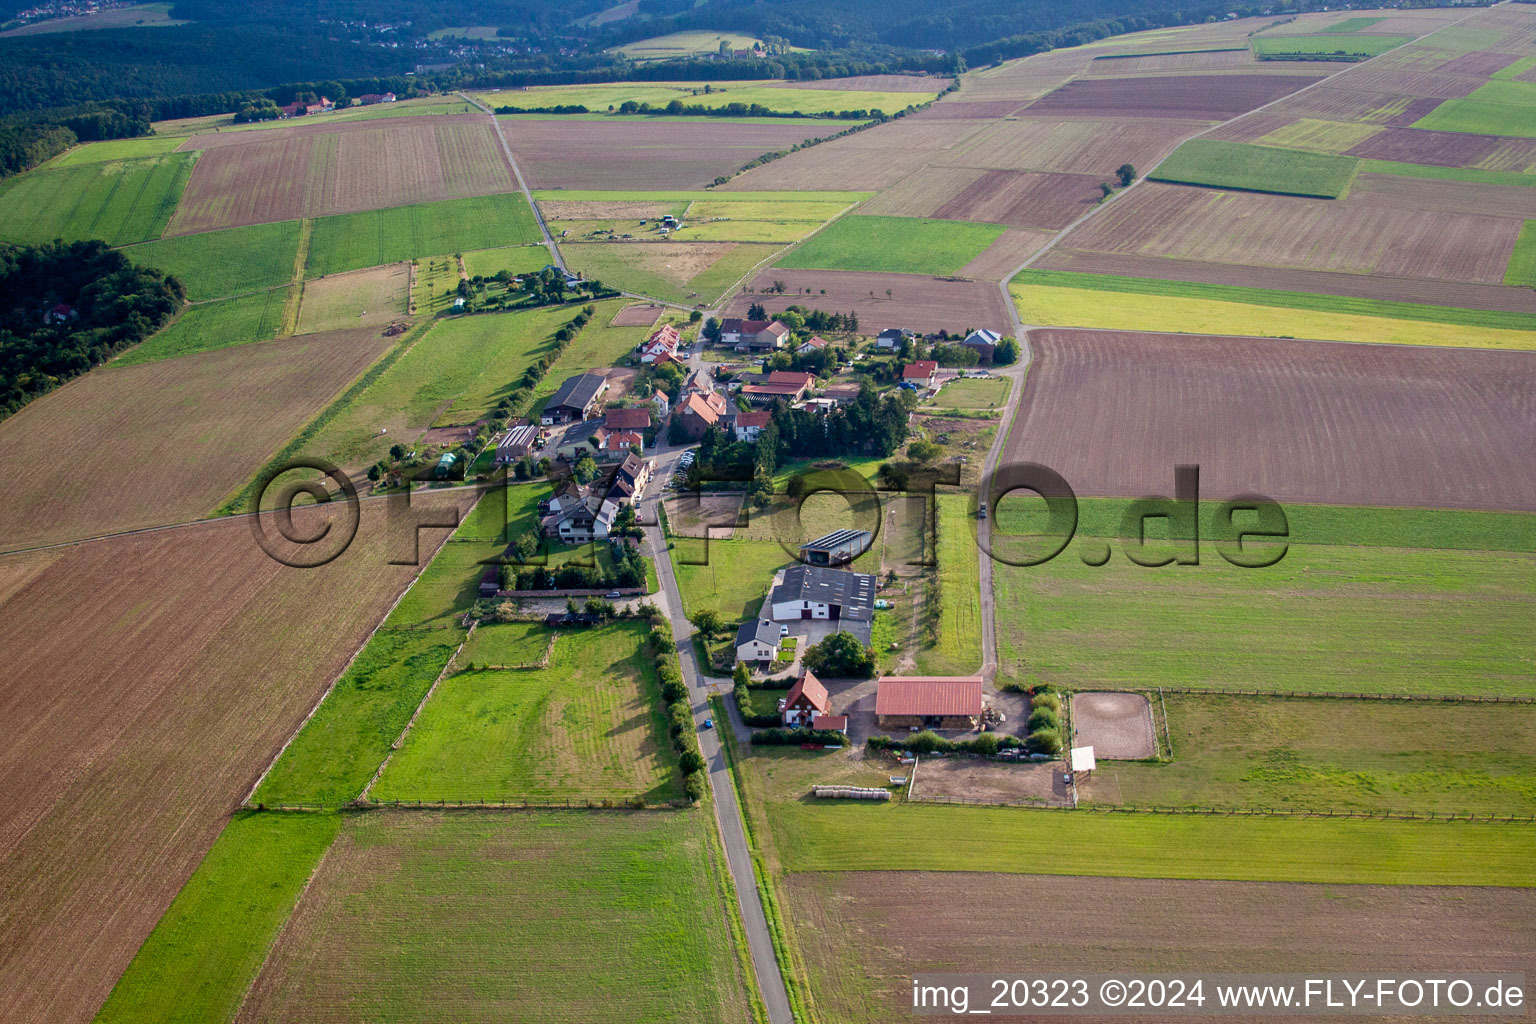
(1201, 97)
(1415, 146)
(1194, 60)
(678, 271)
(1402, 757)
(1341, 424)
(648, 154)
(588, 726)
(786, 97)
(361, 298)
(120, 201)
(1304, 234)
(916, 301)
(924, 191)
(1451, 294)
(870, 160)
(1024, 200)
(1077, 145)
(184, 433)
(1319, 136)
(254, 177)
(215, 264)
(133, 734)
(862, 947)
(482, 917)
(1343, 102)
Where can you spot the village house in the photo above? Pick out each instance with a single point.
(630, 417)
(757, 642)
(892, 337)
(836, 548)
(983, 342)
(928, 702)
(574, 399)
(804, 701)
(746, 426)
(841, 394)
(698, 411)
(817, 592)
(815, 343)
(778, 384)
(515, 443)
(661, 346)
(752, 335)
(367, 99)
(662, 404)
(920, 373)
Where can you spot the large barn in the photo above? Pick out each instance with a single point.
(928, 702)
(815, 592)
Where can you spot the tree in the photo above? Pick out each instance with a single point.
(694, 316)
(374, 472)
(585, 470)
(1127, 174)
(712, 329)
(397, 451)
(756, 312)
(707, 622)
(691, 761)
(742, 677)
(1106, 188)
(923, 452)
(840, 655)
(1006, 353)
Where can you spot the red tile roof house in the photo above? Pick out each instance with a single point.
(928, 702)
(785, 384)
(814, 343)
(805, 700)
(747, 425)
(752, 335)
(636, 417)
(660, 346)
(920, 372)
(698, 411)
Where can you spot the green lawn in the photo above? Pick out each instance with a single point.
(1479, 117)
(351, 241)
(1522, 261)
(589, 726)
(897, 245)
(506, 644)
(1335, 755)
(736, 579)
(474, 917)
(1354, 606)
(854, 836)
(116, 149)
(666, 270)
(234, 261)
(117, 201)
(515, 259)
(958, 650)
(1472, 174)
(1330, 43)
(973, 393)
(1342, 305)
(214, 325)
(208, 947)
(598, 347)
(1251, 168)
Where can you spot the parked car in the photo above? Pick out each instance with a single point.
(783, 631)
(709, 723)
(981, 513)
(613, 595)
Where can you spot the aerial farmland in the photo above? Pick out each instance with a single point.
(633, 513)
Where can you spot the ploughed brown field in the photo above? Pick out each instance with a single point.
(644, 154)
(1076, 145)
(1417, 146)
(873, 159)
(1302, 234)
(967, 110)
(161, 442)
(150, 679)
(1212, 97)
(1203, 60)
(1313, 422)
(1343, 102)
(917, 302)
(1025, 200)
(280, 174)
(864, 934)
(1396, 289)
(1001, 260)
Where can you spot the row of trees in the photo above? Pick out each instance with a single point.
(679, 713)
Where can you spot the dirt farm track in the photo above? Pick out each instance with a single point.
(1316, 422)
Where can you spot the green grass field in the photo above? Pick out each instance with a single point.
(599, 97)
(667, 270)
(1251, 168)
(506, 644)
(1319, 136)
(599, 196)
(589, 726)
(1472, 174)
(958, 651)
(214, 325)
(1480, 117)
(1521, 270)
(1358, 604)
(598, 347)
(118, 201)
(974, 393)
(896, 245)
(464, 917)
(234, 261)
(1330, 43)
(515, 259)
(855, 836)
(115, 149)
(1334, 755)
(351, 241)
(1048, 297)
(208, 947)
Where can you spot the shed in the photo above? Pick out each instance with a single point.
(928, 702)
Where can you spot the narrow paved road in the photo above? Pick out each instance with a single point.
(728, 814)
(517, 172)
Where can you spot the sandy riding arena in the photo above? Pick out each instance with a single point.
(1116, 725)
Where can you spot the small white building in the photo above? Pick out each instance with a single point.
(757, 641)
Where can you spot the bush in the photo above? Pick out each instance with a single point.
(1045, 741)
(795, 737)
(1044, 718)
(691, 762)
(1046, 701)
(673, 690)
(928, 742)
(840, 655)
(693, 786)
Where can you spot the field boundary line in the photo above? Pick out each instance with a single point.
(363, 796)
(1211, 811)
(1206, 691)
(344, 669)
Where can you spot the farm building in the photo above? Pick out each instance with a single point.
(928, 702)
(830, 723)
(517, 442)
(636, 417)
(779, 384)
(575, 398)
(752, 335)
(984, 342)
(842, 394)
(836, 548)
(661, 346)
(490, 581)
(804, 701)
(745, 426)
(817, 592)
(892, 337)
(757, 641)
